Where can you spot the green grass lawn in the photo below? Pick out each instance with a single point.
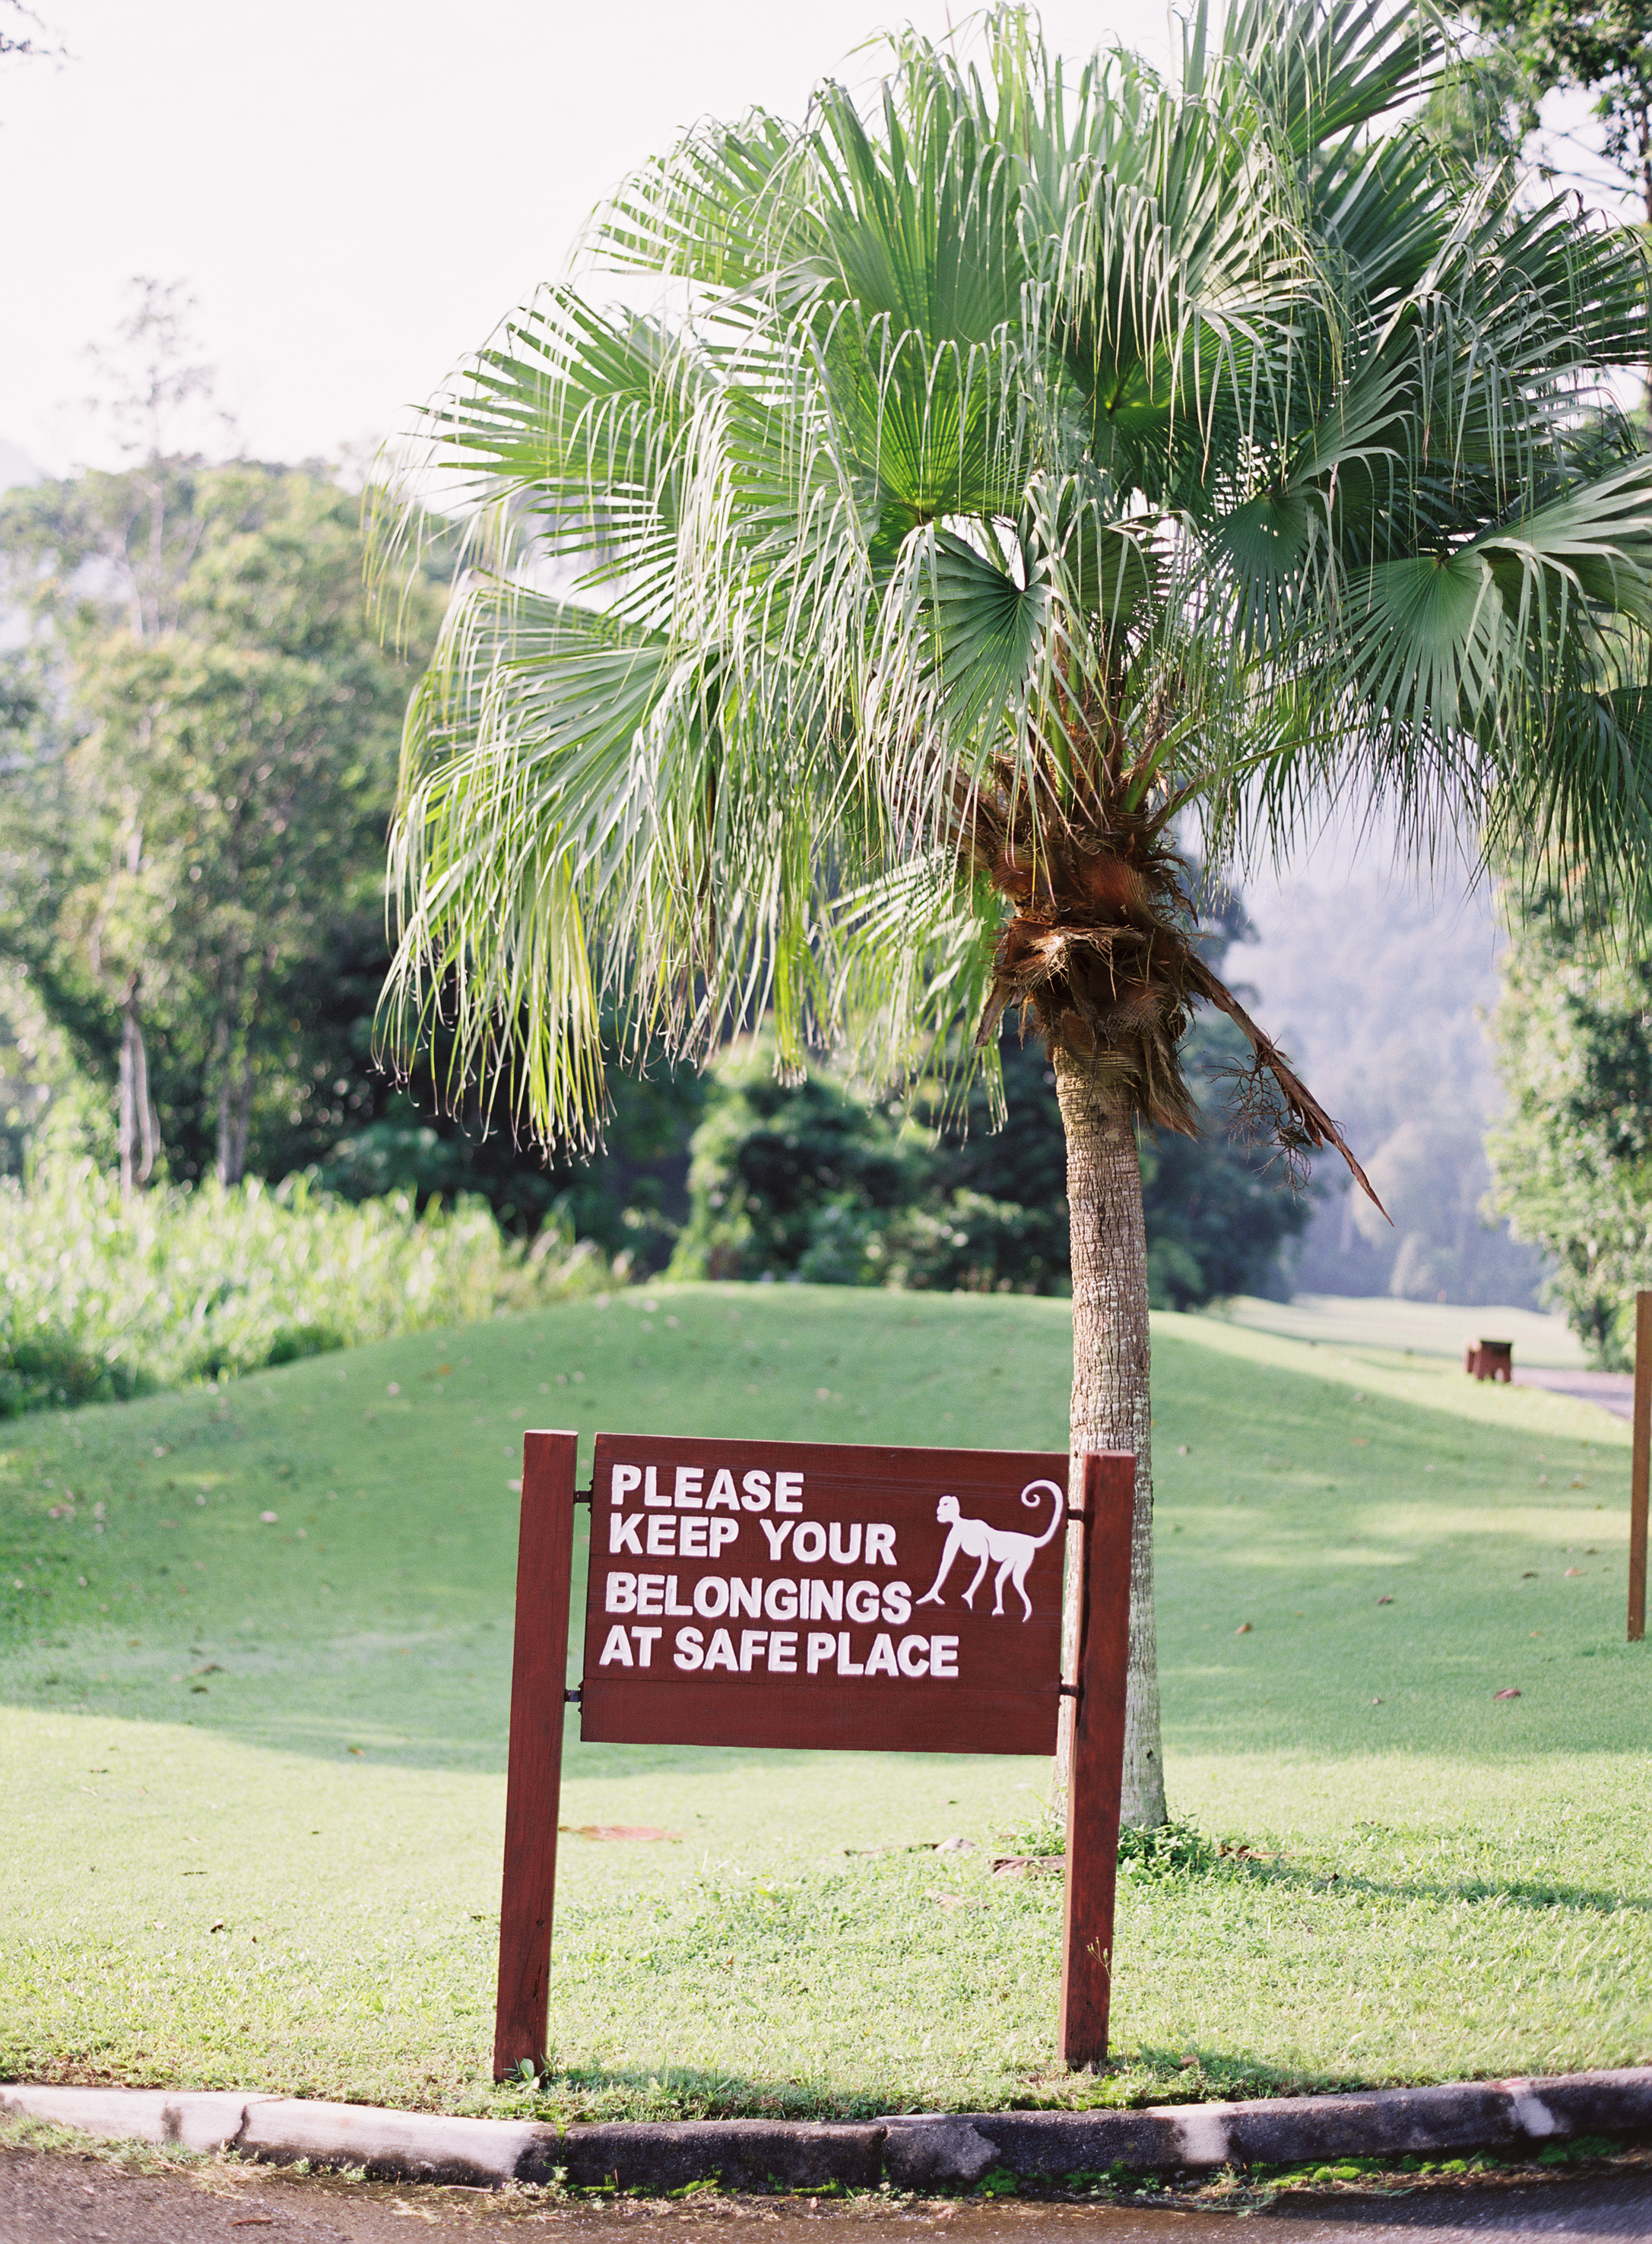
(252, 1768)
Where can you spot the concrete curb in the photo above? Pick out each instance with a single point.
(912, 2151)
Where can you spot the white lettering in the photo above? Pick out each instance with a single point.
(651, 1593)
(897, 1604)
(845, 1664)
(672, 1606)
(722, 1491)
(825, 1600)
(618, 1648)
(622, 1593)
(687, 1491)
(788, 1492)
(711, 1596)
(723, 1532)
(720, 1652)
(779, 1600)
(861, 1603)
(915, 1655)
(776, 1535)
(651, 1487)
(880, 1546)
(880, 1660)
(752, 1641)
(626, 1477)
(662, 1538)
(820, 1647)
(849, 1534)
(782, 1652)
(756, 1497)
(745, 1596)
(623, 1529)
(647, 1639)
(809, 1541)
(691, 1537)
(689, 1653)
(943, 1655)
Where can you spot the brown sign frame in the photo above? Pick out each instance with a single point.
(539, 1693)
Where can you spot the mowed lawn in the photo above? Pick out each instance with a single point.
(252, 1768)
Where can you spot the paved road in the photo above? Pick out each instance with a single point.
(61, 2198)
(1613, 1390)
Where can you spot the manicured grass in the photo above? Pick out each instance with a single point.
(294, 1730)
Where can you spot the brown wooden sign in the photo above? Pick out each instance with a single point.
(812, 1594)
(818, 1595)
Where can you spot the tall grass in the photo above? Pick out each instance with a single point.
(101, 1299)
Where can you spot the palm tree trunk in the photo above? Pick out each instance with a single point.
(1110, 1390)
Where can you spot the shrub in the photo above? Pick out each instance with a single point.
(100, 1299)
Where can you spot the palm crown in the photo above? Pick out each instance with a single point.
(1012, 466)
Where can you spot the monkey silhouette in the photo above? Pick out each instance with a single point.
(1012, 1552)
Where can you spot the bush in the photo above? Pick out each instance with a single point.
(821, 1182)
(100, 1299)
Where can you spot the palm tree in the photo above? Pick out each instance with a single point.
(1018, 470)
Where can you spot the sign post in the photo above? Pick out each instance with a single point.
(817, 1596)
(1095, 1779)
(533, 1782)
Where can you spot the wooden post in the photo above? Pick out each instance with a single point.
(1097, 1774)
(533, 1784)
(1640, 1468)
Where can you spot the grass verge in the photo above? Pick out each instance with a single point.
(253, 1765)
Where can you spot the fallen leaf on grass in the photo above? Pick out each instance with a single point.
(616, 1831)
(1243, 1629)
(1510, 1694)
(1384, 1601)
(1028, 1866)
(1571, 1570)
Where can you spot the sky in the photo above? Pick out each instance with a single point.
(357, 192)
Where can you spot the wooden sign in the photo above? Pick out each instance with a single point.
(816, 1595)
(809, 1594)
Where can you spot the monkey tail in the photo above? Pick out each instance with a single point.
(1029, 1498)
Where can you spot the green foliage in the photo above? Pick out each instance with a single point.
(823, 1180)
(206, 828)
(199, 847)
(1598, 47)
(1175, 1849)
(1572, 1159)
(104, 1299)
(629, 1196)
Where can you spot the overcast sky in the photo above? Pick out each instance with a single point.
(357, 192)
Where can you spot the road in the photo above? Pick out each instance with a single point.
(66, 2198)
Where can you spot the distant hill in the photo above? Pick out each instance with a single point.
(1379, 993)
